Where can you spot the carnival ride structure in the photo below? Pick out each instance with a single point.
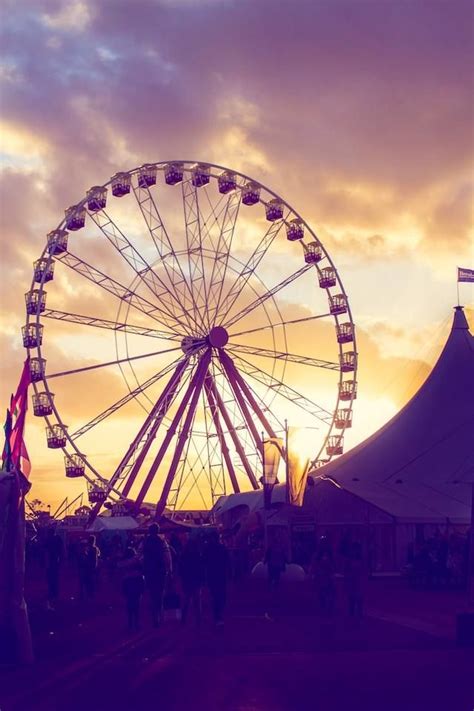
(182, 252)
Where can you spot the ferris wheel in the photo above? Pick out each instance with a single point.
(248, 321)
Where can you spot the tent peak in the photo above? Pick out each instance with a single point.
(459, 320)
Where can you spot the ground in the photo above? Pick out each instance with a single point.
(401, 656)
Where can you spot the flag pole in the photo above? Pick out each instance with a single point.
(265, 495)
(457, 283)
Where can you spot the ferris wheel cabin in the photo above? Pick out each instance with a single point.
(56, 436)
(338, 304)
(97, 493)
(32, 335)
(327, 278)
(75, 217)
(274, 210)
(295, 230)
(174, 173)
(121, 183)
(74, 466)
(251, 193)
(313, 253)
(57, 241)
(96, 198)
(348, 361)
(43, 404)
(343, 418)
(335, 445)
(147, 175)
(37, 369)
(345, 332)
(35, 301)
(43, 271)
(227, 181)
(201, 175)
(348, 390)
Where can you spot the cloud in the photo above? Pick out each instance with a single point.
(73, 16)
(360, 115)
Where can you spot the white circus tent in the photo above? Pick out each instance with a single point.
(420, 465)
(414, 473)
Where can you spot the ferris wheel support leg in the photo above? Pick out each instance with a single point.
(157, 414)
(183, 435)
(220, 434)
(198, 376)
(225, 360)
(233, 433)
(229, 365)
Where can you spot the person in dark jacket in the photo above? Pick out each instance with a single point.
(191, 575)
(133, 587)
(54, 555)
(216, 564)
(156, 568)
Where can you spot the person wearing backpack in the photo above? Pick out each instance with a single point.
(156, 568)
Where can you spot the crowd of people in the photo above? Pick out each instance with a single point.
(168, 574)
(439, 561)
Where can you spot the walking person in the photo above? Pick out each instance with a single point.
(133, 587)
(322, 570)
(216, 564)
(353, 580)
(88, 561)
(275, 559)
(191, 575)
(54, 554)
(156, 568)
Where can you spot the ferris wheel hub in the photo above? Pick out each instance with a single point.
(218, 337)
(189, 344)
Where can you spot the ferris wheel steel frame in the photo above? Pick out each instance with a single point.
(193, 309)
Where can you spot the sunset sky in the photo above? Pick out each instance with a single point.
(360, 114)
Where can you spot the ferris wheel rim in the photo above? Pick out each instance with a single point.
(49, 256)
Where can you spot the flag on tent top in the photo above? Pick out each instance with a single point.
(297, 470)
(18, 408)
(465, 274)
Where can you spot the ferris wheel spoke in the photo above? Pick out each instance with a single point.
(139, 265)
(268, 295)
(289, 357)
(166, 252)
(220, 434)
(185, 462)
(242, 404)
(222, 252)
(114, 287)
(191, 394)
(232, 431)
(109, 325)
(124, 400)
(285, 391)
(140, 446)
(131, 462)
(249, 268)
(216, 448)
(281, 323)
(193, 233)
(74, 371)
(236, 381)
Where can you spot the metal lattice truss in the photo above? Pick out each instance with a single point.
(192, 275)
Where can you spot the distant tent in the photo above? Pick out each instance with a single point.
(420, 465)
(415, 472)
(113, 523)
